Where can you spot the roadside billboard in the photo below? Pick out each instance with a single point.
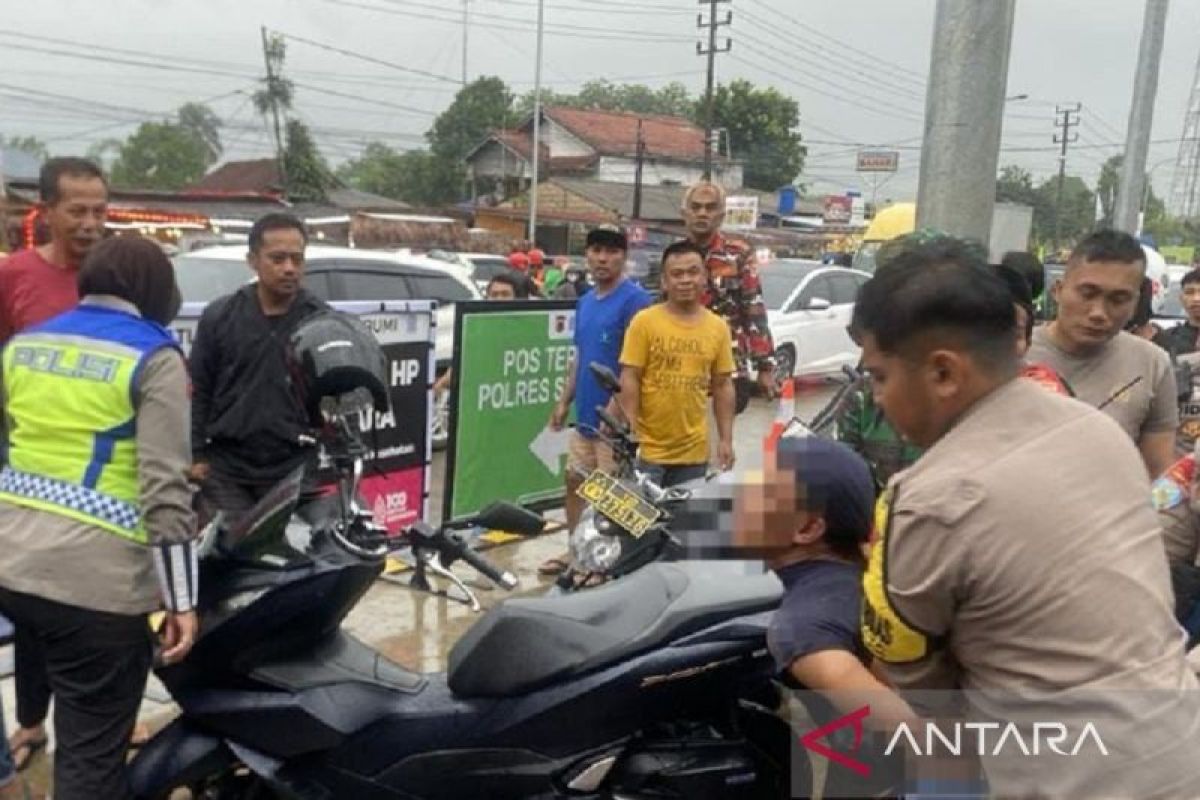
(510, 366)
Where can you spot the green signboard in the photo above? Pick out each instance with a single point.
(510, 365)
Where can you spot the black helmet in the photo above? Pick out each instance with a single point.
(332, 354)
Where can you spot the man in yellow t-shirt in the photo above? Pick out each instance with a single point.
(676, 354)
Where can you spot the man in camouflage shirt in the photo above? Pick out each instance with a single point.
(734, 292)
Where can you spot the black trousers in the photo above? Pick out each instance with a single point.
(96, 666)
(33, 687)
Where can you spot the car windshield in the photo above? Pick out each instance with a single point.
(780, 278)
(202, 280)
(488, 268)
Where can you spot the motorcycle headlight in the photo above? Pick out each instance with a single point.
(595, 547)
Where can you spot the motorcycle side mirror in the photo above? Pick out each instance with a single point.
(607, 378)
(510, 518)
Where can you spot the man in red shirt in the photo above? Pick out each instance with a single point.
(35, 285)
(39, 283)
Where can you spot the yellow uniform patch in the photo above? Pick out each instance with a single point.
(884, 632)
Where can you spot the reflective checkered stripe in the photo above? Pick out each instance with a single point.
(72, 500)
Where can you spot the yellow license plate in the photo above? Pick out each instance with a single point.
(619, 502)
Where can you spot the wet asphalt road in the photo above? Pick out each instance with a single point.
(417, 629)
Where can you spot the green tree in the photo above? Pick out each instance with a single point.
(1076, 215)
(205, 125)
(762, 126)
(1015, 185)
(478, 108)
(274, 99)
(308, 174)
(416, 176)
(160, 155)
(635, 98)
(26, 144)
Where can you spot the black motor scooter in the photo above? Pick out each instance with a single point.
(656, 686)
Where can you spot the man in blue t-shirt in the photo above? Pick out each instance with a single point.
(601, 318)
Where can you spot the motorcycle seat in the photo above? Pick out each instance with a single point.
(342, 659)
(528, 643)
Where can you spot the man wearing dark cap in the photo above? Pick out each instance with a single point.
(809, 517)
(601, 318)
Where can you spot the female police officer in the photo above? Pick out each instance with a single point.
(94, 502)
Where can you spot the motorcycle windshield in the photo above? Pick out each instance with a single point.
(262, 528)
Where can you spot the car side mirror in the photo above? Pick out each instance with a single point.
(819, 304)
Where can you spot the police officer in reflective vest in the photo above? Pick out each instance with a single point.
(96, 525)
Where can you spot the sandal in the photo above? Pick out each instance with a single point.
(29, 748)
(554, 566)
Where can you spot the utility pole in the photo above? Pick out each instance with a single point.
(274, 98)
(466, 37)
(537, 126)
(640, 157)
(1066, 138)
(1141, 115)
(964, 114)
(711, 52)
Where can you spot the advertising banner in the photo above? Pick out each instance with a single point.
(396, 470)
(510, 366)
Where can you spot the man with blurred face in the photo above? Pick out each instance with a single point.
(601, 318)
(246, 419)
(1126, 377)
(732, 291)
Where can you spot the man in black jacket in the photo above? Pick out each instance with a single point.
(1185, 338)
(246, 417)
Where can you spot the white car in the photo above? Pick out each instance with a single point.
(480, 267)
(809, 305)
(338, 273)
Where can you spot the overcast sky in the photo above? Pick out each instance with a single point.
(856, 67)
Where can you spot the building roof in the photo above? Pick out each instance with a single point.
(608, 133)
(614, 133)
(260, 175)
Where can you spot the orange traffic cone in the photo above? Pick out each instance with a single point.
(784, 413)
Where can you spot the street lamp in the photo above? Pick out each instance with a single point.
(1016, 97)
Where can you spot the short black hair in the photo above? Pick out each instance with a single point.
(54, 169)
(941, 285)
(1022, 295)
(679, 249)
(275, 221)
(1108, 245)
(518, 283)
(1030, 267)
(1191, 277)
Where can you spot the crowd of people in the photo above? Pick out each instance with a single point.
(987, 522)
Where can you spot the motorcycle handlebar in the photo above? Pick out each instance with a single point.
(617, 427)
(501, 577)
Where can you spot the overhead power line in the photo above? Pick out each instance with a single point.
(366, 58)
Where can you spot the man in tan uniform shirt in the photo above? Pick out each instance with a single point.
(1019, 559)
(1129, 378)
